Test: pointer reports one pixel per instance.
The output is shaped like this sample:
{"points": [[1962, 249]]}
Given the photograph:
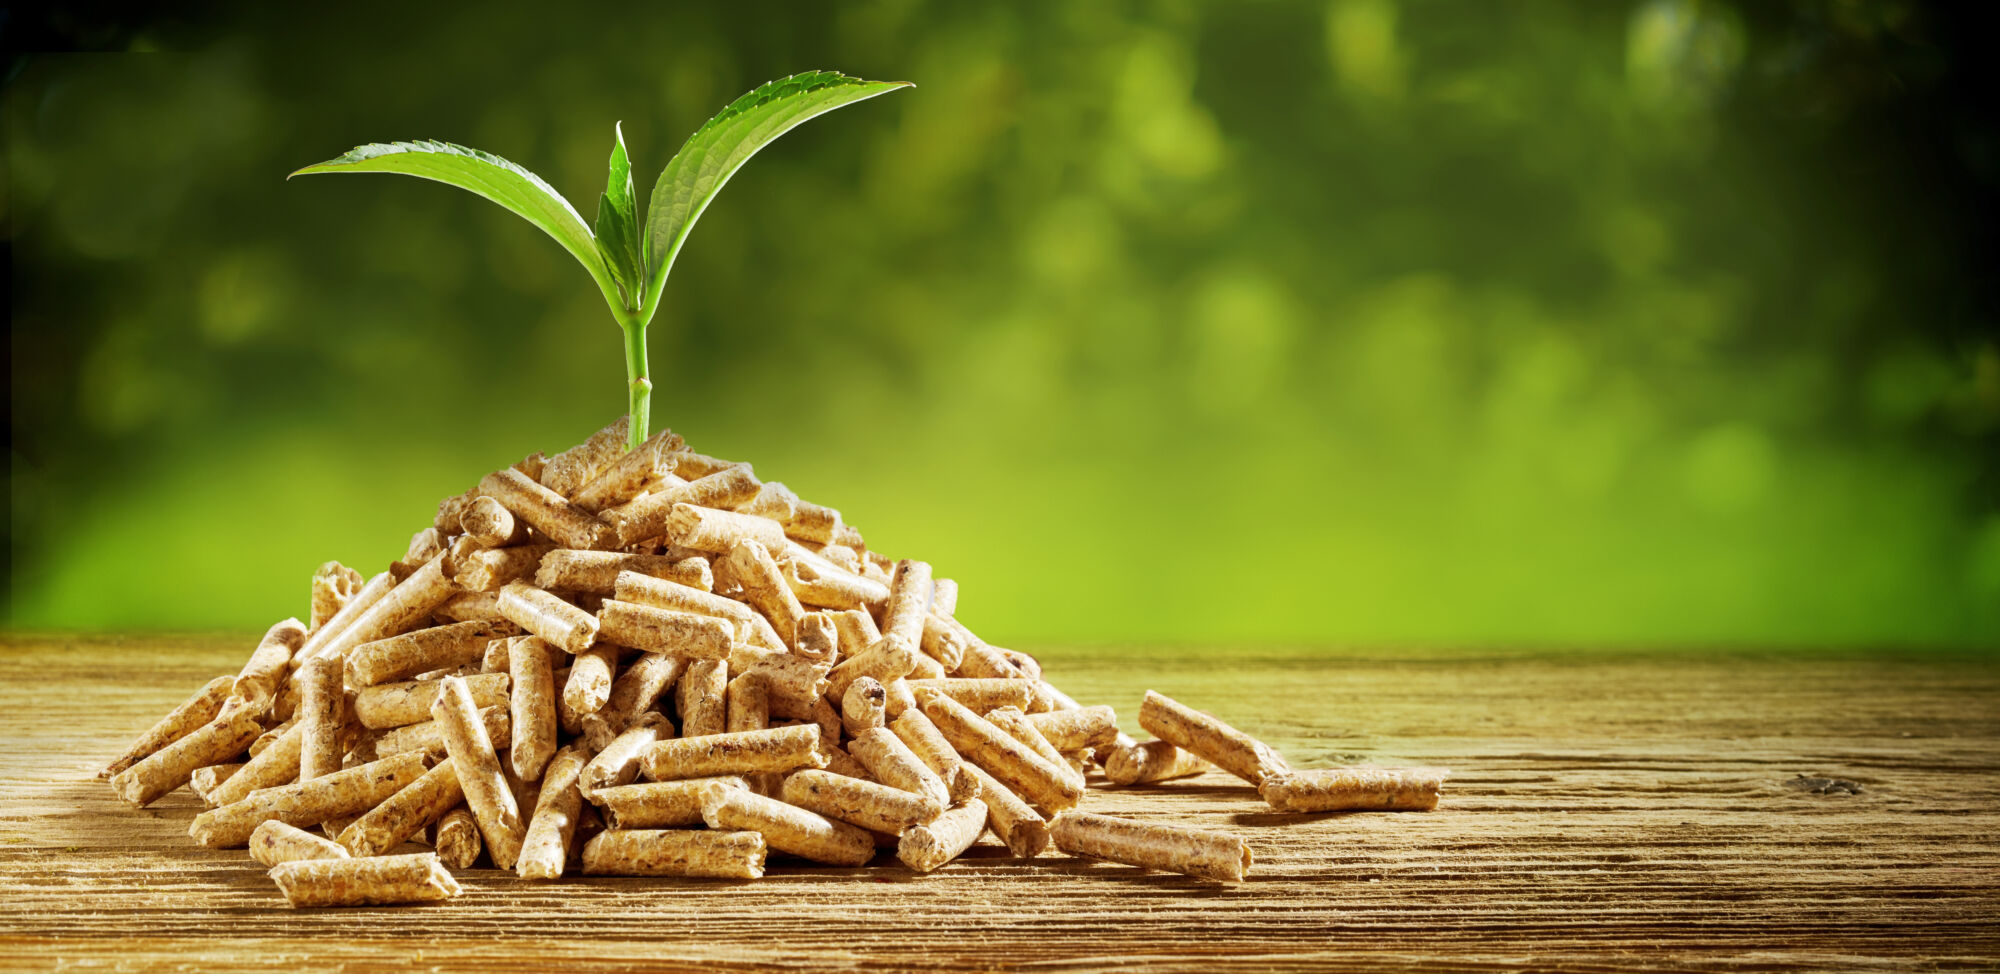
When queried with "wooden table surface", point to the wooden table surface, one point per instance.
{"points": [[1606, 812]]}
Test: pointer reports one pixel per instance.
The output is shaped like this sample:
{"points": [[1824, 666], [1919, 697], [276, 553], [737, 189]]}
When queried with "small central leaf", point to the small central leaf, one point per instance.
{"points": [[618, 223]]}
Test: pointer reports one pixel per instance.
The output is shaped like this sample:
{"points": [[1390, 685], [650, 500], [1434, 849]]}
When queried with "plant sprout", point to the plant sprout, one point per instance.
{"points": [[628, 259]]}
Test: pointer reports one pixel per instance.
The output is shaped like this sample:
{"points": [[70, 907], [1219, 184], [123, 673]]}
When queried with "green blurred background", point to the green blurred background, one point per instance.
{"points": [[1353, 322]]}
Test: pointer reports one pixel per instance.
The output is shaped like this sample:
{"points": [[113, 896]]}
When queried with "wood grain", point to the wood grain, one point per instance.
{"points": [[1607, 813]]}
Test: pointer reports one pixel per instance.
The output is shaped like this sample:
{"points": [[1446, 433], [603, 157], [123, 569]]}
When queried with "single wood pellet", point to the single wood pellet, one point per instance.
{"points": [[677, 852], [415, 878], [274, 842], [1196, 852], [1344, 789]]}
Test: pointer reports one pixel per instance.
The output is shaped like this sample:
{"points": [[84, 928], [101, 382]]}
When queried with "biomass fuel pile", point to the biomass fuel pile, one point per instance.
{"points": [[648, 662]]}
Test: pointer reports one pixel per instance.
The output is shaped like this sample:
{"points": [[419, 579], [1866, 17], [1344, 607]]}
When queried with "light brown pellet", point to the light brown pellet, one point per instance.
{"points": [[1196, 852], [889, 659], [398, 704], [588, 686], [204, 781], [183, 720], [796, 684], [946, 641], [618, 762], [676, 852], [923, 667], [438, 647], [659, 804], [713, 531], [268, 666], [567, 472], [490, 569], [274, 842], [666, 631], [321, 714], [863, 803], [651, 516], [347, 792], [764, 587], [909, 602], [857, 631], [332, 585], [984, 661], [546, 511], [471, 607], [944, 596], [486, 789], [1026, 773], [382, 880], [787, 828], [1023, 829], [980, 694], [170, 767], [490, 524], [428, 736], [532, 705], [923, 740], [545, 848], [863, 705], [456, 838], [1147, 761], [1015, 723], [816, 581], [356, 606], [1071, 730], [744, 752], [398, 611], [597, 572], [817, 639], [662, 593], [626, 476], [899, 697], [702, 698], [565, 626], [1224, 746], [932, 844], [814, 522], [635, 690], [405, 813], [276, 765], [1343, 789]]}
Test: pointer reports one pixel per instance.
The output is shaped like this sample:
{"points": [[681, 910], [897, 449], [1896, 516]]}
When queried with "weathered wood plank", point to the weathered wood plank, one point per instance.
{"points": [[1606, 813]]}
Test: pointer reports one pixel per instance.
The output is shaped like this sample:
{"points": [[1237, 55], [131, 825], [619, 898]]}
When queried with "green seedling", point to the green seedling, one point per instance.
{"points": [[628, 259]]}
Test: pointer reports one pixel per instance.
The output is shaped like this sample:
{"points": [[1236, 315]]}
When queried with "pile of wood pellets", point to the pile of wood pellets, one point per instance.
{"points": [[648, 662]]}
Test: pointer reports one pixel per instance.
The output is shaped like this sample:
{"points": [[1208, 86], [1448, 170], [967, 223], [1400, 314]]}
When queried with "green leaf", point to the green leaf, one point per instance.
{"points": [[714, 152], [618, 222], [487, 175]]}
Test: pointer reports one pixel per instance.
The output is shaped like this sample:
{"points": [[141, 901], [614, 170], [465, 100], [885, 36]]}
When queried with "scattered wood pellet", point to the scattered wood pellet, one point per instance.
{"points": [[570, 625], [1343, 789], [379, 880]]}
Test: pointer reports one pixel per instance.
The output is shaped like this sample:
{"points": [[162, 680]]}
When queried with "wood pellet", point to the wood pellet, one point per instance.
{"points": [[652, 663]]}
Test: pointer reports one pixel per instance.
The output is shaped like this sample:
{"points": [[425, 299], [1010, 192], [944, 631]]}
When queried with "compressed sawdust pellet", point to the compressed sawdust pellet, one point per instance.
{"points": [[787, 828], [404, 814], [567, 472], [399, 704], [660, 593], [486, 788], [587, 688], [546, 511], [428, 736], [649, 516], [491, 569], [622, 479], [1023, 829], [398, 611], [857, 631], [889, 659], [618, 763], [1077, 728], [675, 852], [1195, 852], [764, 587], [1224, 746], [1148, 761], [659, 804], [666, 631], [532, 705], [909, 603], [489, 523], [1025, 773], [1345, 789], [923, 740], [380, 880], [864, 803], [322, 703], [269, 665], [350, 791], [545, 847], [715, 532], [597, 572], [1015, 723], [981, 695], [702, 698], [356, 606], [183, 720], [743, 752], [932, 844], [635, 691], [274, 842], [893, 763], [565, 626], [172, 766], [205, 780], [333, 584], [818, 582], [437, 647], [863, 705], [275, 765], [456, 838]]}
